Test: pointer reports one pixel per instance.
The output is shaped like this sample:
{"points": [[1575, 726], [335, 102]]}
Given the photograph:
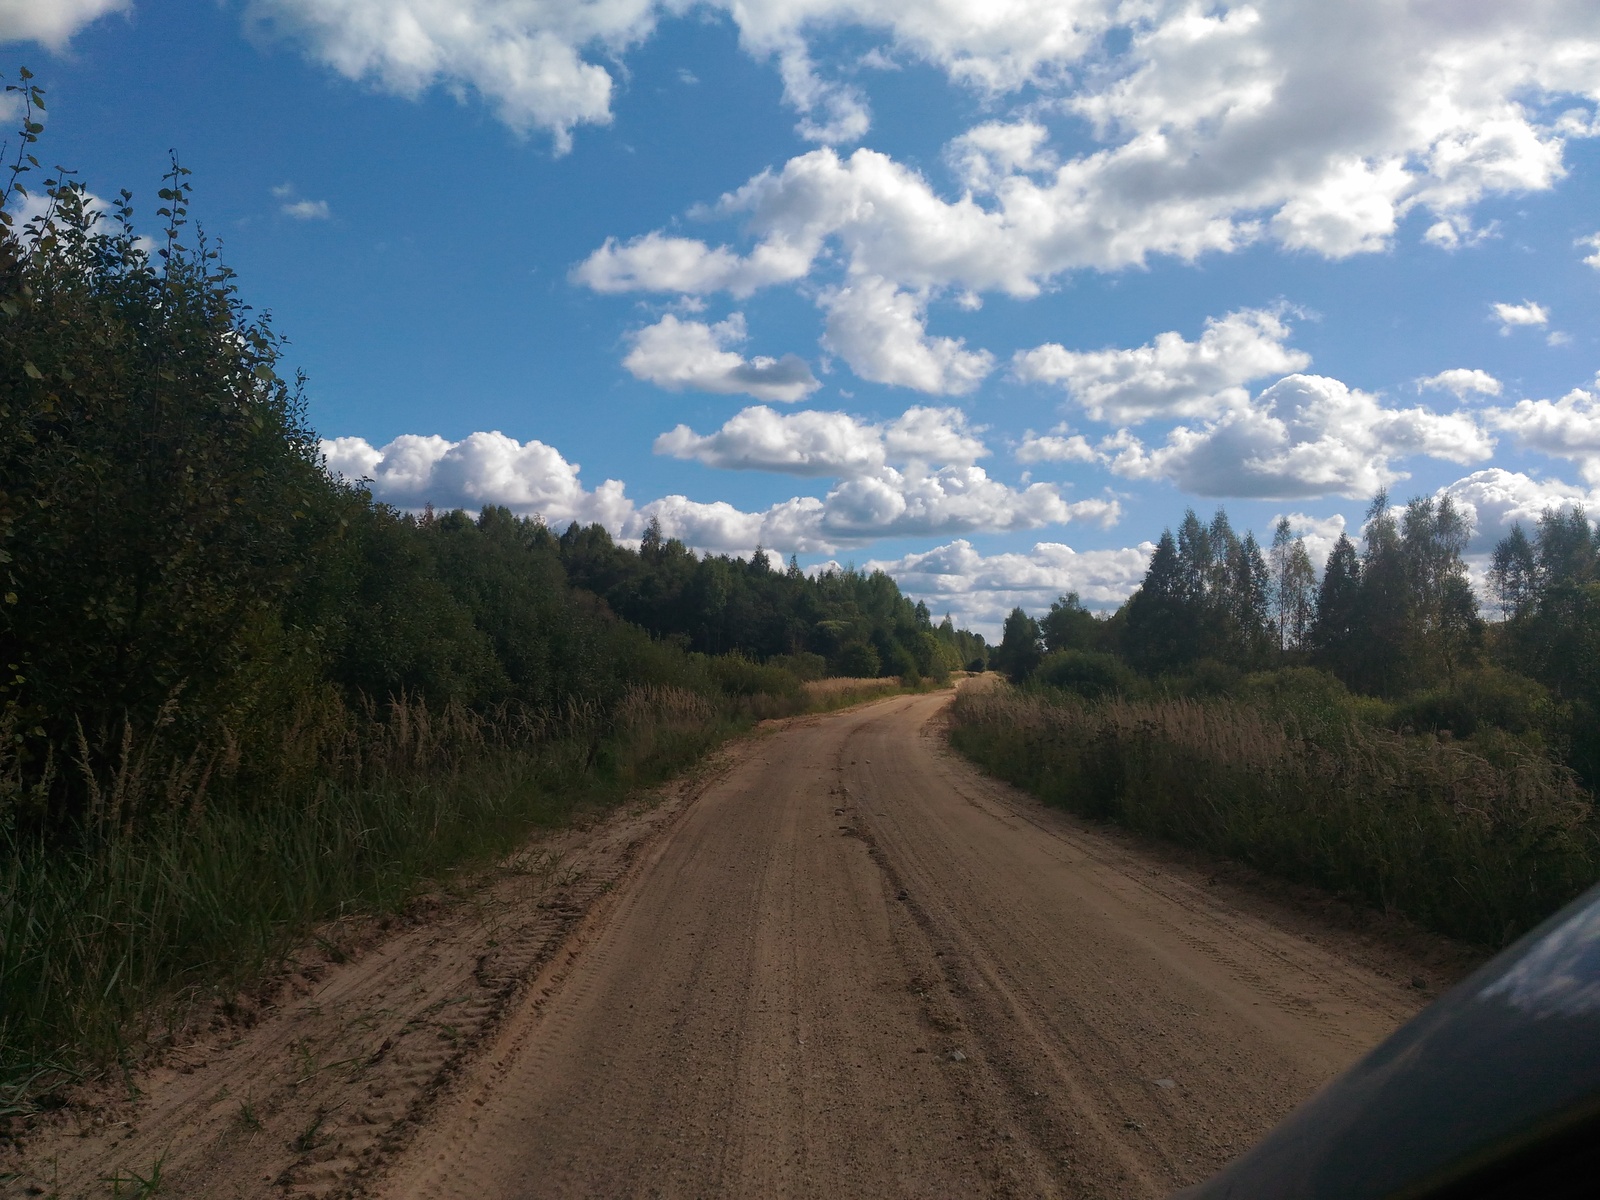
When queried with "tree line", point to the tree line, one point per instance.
{"points": [[177, 565], [1396, 619]]}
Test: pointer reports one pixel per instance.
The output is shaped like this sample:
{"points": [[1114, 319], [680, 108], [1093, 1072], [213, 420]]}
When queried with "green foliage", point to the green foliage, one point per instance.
{"points": [[239, 696], [1069, 626], [720, 604], [1477, 847], [1091, 674], [1549, 588], [1021, 647], [1206, 595]]}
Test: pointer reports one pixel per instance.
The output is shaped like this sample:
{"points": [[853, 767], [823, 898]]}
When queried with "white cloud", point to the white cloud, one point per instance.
{"points": [[1512, 316], [911, 476], [828, 444], [531, 59], [1565, 428], [1495, 499], [1170, 377], [677, 354], [882, 333], [307, 210], [1059, 445], [873, 498], [1319, 127], [1460, 381], [914, 502], [482, 469], [657, 263], [1593, 242], [1306, 435], [832, 444], [299, 209], [1318, 533], [522, 56], [979, 590], [988, 154], [52, 23]]}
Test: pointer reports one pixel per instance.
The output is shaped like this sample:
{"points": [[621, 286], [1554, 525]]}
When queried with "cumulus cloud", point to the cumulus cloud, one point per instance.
{"points": [[1494, 499], [1306, 435], [1318, 533], [1169, 377], [535, 61], [54, 22], [677, 354], [657, 263], [1593, 242], [525, 58], [915, 501], [806, 443], [1565, 428], [1059, 445], [1512, 316], [832, 444], [882, 333], [979, 590], [988, 154], [482, 469], [913, 476], [1313, 126], [1460, 381]]}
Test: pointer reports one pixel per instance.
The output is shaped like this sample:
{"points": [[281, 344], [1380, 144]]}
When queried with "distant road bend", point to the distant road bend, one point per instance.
{"points": [[853, 966]]}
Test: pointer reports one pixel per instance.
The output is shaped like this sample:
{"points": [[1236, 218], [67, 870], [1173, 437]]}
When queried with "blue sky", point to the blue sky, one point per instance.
{"points": [[985, 292]]}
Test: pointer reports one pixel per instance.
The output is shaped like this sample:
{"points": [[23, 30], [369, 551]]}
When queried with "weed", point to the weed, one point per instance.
{"points": [[138, 1186], [306, 1140]]}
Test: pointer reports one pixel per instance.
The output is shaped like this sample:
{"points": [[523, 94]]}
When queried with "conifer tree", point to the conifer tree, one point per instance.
{"points": [[1334, 628]]}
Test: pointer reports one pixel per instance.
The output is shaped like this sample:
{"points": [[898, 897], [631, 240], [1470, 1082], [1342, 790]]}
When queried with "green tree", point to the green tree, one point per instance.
{"points": [[1293, 586], [1335, 629], [1069, 625], [1021, 647], [162, 491]]}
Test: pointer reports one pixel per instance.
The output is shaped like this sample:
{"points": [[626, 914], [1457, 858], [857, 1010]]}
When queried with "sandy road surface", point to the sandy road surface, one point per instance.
{"points": [[837, 962], [855, 967]]}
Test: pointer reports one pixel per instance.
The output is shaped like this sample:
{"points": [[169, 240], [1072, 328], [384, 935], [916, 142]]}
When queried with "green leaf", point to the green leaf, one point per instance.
{"points": [[32, 371]]}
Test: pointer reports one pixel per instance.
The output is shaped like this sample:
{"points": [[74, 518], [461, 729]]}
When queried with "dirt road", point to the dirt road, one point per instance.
{"points": [[843, 963], [855, 967]]}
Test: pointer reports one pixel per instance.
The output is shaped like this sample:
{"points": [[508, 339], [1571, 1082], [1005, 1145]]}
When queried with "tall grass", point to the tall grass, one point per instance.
{"points": [[1474, 845], [109, 937]]}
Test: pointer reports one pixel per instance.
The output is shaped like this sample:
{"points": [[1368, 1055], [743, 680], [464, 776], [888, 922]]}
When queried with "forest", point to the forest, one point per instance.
{"points": [[239, 695], [1371, 731]]}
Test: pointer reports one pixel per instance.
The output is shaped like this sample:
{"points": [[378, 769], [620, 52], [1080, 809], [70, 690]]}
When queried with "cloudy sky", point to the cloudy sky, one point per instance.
{"points": [[982, 291]]}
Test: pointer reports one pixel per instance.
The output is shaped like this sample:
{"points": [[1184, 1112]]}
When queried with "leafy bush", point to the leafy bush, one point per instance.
{"points": [[1087, 673], [1485, 697]]}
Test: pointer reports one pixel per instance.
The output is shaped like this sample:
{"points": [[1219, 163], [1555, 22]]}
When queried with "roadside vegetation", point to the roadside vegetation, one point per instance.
{"points": [[1369, 732], [240, 697]]}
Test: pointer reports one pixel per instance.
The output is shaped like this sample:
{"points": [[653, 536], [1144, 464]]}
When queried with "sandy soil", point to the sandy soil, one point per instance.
{"points": [[841, 964]]}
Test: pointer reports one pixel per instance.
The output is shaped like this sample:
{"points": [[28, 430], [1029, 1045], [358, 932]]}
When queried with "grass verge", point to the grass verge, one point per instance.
{"points": [[108, 944], [1475, 846]]}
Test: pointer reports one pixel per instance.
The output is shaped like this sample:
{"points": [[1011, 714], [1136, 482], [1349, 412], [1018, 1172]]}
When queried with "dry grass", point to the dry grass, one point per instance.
{"points": [[829, 695], [1474, 848]]}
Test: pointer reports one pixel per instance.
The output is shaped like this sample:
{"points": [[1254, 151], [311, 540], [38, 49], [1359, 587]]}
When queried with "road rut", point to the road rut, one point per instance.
{"points": [[855, 966]]}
